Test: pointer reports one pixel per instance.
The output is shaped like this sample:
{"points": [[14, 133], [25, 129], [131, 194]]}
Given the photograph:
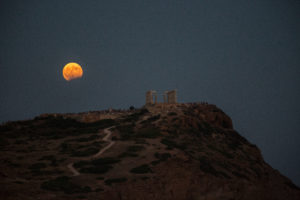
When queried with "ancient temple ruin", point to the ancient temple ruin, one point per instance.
{"points": [[170, 97], [151, 97]]}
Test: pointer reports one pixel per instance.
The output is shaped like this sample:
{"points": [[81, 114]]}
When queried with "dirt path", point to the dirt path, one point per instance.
{"points": [[107, 138]]}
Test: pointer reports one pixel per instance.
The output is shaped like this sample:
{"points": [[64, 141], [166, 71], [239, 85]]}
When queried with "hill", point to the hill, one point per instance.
{"points": [[174, 151]]}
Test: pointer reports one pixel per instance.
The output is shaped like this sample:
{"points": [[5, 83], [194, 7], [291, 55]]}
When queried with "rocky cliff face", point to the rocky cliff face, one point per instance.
{"points": [[179, 151]]}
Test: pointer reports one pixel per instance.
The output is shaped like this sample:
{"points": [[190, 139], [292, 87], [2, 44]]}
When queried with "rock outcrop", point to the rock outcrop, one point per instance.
{"points": [[161, 152]]}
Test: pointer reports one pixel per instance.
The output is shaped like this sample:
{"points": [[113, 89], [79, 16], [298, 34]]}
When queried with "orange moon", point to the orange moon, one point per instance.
{"points": [[72, 71]]}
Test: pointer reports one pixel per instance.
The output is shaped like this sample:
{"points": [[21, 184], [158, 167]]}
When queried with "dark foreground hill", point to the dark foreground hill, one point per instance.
{"points": [[181, 151]]}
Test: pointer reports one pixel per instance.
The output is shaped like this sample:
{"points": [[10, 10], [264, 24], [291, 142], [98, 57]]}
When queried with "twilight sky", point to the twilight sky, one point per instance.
{"points": [[243, 56]]}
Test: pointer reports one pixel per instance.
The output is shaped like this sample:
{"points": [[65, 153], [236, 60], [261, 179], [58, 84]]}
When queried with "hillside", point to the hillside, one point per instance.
{"points": [[176, 151]]}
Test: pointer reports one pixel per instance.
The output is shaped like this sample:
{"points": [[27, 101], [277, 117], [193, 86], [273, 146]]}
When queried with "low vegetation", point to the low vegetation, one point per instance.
{"points": [[86, 139], [205, 166], [141, 169], [135, 116], [115, 180], [97, 166], [135, 148], [217, 152], [132, 151], [96, 169], [171, 144], [39, 169], [51, 159], [151, 119], [57, 127], [127, 132], [205, 128], [37, 166], [85, 152], [64, 184], [128, 154], [172, 113], [80, 150], [221, 151], [160, 158], [148, 132]]}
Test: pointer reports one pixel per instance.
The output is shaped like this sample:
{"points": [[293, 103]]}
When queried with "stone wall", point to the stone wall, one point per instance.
{"points": [[169, 97]]}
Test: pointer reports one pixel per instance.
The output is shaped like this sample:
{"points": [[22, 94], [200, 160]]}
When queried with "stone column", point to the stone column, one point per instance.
{"points": [[172, 96], [165, 97], [149, 99]]}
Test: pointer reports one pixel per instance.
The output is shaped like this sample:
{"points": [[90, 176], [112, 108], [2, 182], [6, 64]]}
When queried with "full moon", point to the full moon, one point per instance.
{"points": [[72, 71]]}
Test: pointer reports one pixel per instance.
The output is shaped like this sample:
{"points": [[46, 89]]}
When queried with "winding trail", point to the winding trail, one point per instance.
{"points": [[107, 138]]}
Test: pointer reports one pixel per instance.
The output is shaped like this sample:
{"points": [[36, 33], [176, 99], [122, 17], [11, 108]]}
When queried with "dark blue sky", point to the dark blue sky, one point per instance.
{"points": [[243, 56]]}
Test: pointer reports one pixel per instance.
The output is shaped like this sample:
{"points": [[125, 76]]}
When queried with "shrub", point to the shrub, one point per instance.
{"points": [[141, 169], [140, 141], [46, 172], [128, 154], [63, 184], [135, 116], [155, 162], [172, 113], [152, 119], [60, 127], [126, 131], [105, 161], [238, 174], [98, 166], [81, 164], [86, 152], [114, 138], [7, 127], [222, 151], [65, 147], [235, 140], [257, 171], [172, 144], [37, 166], [96, 170], [206, 167], [225, 175], [169, 143], [292, 185], [149, 132], [87, 139], [161, 157], [175, 119], [131, 151], [49, 157], [99, 190], [115, 180], [97, 144], [205, 128], [3, 142], [135, 148], [104, 123], [61, 122]]}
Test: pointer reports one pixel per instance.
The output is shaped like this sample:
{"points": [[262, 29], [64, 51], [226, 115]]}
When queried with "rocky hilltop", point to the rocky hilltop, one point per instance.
{"points": [[176, 152]]}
